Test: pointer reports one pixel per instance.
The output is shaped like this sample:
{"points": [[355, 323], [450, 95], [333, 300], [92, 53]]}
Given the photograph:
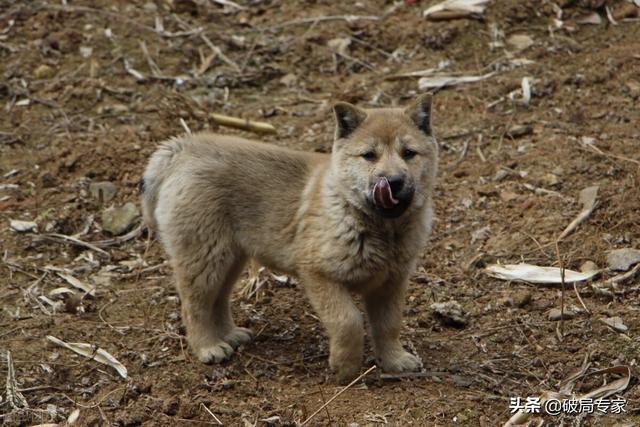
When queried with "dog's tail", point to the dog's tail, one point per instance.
{"points": [[158, 169]]}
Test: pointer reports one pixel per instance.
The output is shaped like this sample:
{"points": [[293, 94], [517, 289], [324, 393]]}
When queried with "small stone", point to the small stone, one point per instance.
{"points": [[555, 314], [104, 189], [552, 180], [589, 266], [339, 45], [633, 88], [461, 381], [23, 226], [615, 323], [450, 313], [520, 41], [518, 131], [118, 220], [622, 259], [289, 80], [44, 71]]}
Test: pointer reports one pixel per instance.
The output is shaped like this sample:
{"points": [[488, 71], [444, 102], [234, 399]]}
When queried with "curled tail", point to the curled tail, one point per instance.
{"points": [[157, 170]]}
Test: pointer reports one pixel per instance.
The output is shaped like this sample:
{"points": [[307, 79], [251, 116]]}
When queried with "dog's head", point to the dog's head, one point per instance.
{"points": [[385, 159]]}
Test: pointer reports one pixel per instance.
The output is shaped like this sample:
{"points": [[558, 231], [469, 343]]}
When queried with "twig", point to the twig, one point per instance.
{"points": [[348, 18], [216, 50], [15, 398], [135, 73], [61, 238], [211, 413], [120, 239], [152, 64], [244, 124], [335, 396], [561, 324], [185, 126], [229, 3]]}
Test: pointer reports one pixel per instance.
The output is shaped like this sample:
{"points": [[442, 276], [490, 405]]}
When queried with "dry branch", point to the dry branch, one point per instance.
{"points": [[244, 124]]}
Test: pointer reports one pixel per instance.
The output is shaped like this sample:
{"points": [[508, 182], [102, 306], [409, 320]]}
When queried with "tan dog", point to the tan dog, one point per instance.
{"points": [[352, 221]]}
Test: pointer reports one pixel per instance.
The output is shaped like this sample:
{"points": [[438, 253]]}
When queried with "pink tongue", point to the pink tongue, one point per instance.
{"points": [[382, 195]]}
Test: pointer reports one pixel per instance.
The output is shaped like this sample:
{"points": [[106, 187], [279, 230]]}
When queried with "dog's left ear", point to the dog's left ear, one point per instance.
{"points": [[348, 118], [420, 113]]}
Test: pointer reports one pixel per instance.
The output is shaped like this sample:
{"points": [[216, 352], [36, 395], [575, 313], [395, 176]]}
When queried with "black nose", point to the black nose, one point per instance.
{"points": [[396, 183]]}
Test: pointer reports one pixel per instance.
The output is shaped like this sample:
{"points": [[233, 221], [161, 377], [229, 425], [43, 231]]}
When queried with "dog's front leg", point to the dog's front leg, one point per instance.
{"points": [[384, 307], [342, 321]]}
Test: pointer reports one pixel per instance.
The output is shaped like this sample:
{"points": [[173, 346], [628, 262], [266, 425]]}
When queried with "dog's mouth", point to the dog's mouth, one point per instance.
{"points": [[385, 202], [382, 194]]}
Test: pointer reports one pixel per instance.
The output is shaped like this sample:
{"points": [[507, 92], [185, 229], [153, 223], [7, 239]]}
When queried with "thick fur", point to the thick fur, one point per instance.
{"points": [[217, 201]]}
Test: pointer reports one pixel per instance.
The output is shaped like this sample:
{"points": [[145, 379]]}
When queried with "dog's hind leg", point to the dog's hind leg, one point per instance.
{"points": [[204, 284]]}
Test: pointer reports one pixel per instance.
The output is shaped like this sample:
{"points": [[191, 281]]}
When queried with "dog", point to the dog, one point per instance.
{"points": [[353, 221]]}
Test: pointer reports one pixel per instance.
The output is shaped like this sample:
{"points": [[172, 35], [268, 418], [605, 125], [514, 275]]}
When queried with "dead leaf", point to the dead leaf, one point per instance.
{"points": [[463, 8], [535, 274], [92, 352], [76, 283], [615, 323], [439, 81], [588, 199]]}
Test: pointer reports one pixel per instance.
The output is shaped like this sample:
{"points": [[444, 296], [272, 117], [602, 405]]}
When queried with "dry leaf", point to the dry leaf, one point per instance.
{"points": [[439, 81], [78, 284], [468, 6], [588, 199], [92, 352], [535, 274]]}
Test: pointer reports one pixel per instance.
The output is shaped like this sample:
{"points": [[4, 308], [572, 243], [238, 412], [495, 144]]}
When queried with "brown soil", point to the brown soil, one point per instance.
{"points": [[71, 117]]}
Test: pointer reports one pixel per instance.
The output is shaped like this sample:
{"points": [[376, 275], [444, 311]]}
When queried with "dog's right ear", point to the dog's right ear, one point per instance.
{"points": [[348, 118]]}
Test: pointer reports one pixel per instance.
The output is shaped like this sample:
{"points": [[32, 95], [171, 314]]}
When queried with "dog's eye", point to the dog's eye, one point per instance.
{"points": [[408, 153], [369, 156]]}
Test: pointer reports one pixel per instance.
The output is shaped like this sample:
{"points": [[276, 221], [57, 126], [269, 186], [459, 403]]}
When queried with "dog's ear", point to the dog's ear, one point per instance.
{"points": [[348, 118], [420, 113]]}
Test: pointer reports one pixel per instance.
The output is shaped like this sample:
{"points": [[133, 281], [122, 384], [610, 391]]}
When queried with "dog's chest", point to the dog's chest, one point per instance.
{"points": [[360, 256]]}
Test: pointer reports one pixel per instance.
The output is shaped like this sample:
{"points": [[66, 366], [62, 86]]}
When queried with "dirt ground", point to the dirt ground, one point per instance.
{"points": [[83, 103]]}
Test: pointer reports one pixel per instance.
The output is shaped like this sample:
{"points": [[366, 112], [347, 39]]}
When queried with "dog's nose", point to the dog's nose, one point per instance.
{"points": [[396, 183]]}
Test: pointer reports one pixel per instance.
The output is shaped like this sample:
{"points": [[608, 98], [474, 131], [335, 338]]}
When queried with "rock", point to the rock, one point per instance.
{"points": [[339, 45], [23, 226], [518, 131], [520, 41], [450, 313], [117, 220], [552, 180], [622, 259], [555, 314], [289, 80], [615, 323], [44, 71], [104, 189], [461, 381], [589, 266]]}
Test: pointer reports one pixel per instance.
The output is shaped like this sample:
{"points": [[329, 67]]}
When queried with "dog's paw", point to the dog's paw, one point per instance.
{"points": [[400, 361], [239, 336], [345, 374], [214, 353]]}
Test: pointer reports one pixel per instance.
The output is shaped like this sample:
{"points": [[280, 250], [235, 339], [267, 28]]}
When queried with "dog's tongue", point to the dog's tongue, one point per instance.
{"points": [[382, 196]]}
